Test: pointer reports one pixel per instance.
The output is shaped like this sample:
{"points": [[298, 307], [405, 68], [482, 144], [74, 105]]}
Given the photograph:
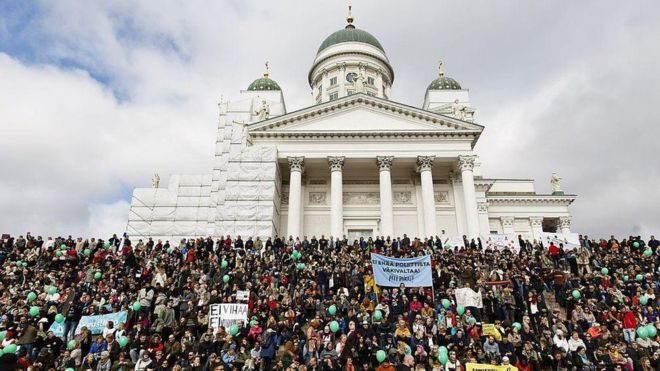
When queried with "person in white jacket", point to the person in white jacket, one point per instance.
{"points": [[560, 341]]}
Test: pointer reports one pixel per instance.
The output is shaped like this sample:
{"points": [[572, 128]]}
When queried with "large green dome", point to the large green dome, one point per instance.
{"points": [[444, 83], [264, 83], [350, 34]]}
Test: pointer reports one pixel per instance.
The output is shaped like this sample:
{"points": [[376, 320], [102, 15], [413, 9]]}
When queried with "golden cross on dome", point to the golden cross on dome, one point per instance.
{"points": [[441, 68], [349, 17], [266, 74]]}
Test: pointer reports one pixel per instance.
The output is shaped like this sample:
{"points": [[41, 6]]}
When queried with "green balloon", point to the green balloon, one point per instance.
{"points": [[64, 247], [446, 303], [10, 349], [87, 252], [170, 250], [472, 320], [224, 264], [604, 271], [137, 306], [2, 335], [107, 245], [635, 244], [253, 323], [576, 294], [380, 356], [31, 296], [443, 349], [378, 315], [648, 252], [97, 276], [639, 277], [516, 325], [644, 299], [71, 344], [19, 263], [59, 253], [225, 278], [460, 310], [641, 332], [334, 326], [298, 254], [233, 330], [123, 341], [52, 290], [59, 318], [332, 310], [34, 311], [69, 369], [651, 331], [300, 266], [443, 358], [625, 278]]}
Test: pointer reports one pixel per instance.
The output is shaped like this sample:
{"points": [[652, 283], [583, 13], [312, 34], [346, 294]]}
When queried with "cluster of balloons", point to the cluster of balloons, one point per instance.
{"points": [[300, 266], [21, 263], [648, 331], [296, 255]]}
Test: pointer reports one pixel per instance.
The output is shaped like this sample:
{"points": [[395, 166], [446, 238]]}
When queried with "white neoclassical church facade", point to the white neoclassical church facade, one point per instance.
{"points": [[354, 163]]}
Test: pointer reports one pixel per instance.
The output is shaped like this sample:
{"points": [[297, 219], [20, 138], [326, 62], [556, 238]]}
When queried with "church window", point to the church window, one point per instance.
{"points": [[370, 81], [334, 95], [333, 81]]}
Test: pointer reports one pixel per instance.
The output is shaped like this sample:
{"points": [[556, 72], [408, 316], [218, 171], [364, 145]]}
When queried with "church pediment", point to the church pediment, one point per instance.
{"points": [[363, 113]]}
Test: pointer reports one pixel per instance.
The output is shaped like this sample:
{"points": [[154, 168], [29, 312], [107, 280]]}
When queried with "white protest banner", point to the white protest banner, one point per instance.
{"points": [[225, 315], [450, 242], [243, 295], [392, 272], [569, 240], [508, 241], [466, 297]]}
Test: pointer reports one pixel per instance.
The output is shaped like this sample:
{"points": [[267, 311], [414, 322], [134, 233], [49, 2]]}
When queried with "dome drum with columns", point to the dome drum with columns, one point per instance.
{"points": [[353, 163]]}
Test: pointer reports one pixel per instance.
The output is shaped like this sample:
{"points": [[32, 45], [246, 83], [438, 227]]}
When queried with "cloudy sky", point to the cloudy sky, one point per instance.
{"points": [[95, 96]]}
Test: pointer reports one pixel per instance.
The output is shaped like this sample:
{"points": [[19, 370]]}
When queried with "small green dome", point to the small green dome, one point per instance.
{"points": [[264, 83], [350, 34], [444, 83]]}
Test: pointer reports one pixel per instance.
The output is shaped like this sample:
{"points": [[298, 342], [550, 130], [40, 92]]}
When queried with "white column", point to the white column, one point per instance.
{"points": [[507, 224], [459, 204], [295, 195], [424, 166], [537, 226], [379, 83], [336, 196], [325, 84], [386, 213], [342, 83], [420, 207], [565, 224], [466, 164], [484, 226]]}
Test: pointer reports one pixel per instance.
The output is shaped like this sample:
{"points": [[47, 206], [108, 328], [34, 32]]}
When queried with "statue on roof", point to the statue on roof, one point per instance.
{"points": [[264, 112], [459, 110], [555, 183], [358, 82], [155, 181]]}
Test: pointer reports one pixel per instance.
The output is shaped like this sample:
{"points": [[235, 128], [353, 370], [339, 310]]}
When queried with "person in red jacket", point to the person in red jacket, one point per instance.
{"points": [[554, 253], [629, 324]]}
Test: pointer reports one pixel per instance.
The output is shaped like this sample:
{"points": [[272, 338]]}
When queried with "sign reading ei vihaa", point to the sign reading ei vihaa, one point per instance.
{"points": [[226, 315], [487, 367], [412, 272]]}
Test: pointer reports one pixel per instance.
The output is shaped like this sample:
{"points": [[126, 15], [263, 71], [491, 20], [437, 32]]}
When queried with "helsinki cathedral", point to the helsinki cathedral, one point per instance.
{"points": [[353, 163]]}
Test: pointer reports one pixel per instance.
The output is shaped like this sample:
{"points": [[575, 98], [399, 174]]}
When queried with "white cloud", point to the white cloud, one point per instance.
{"points": [[567, 87]]}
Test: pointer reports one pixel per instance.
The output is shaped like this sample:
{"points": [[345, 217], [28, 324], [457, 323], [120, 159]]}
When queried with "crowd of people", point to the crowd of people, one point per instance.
{"points": [[313, 305]]}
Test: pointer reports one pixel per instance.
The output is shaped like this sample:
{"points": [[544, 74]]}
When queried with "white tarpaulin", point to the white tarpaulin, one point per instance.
{"points": [[569, 240], [508, 241], [467, 297], [226, 315]]}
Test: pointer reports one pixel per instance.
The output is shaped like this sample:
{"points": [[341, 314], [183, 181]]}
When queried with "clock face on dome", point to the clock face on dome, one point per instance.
{"points": [[350, 77]]}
